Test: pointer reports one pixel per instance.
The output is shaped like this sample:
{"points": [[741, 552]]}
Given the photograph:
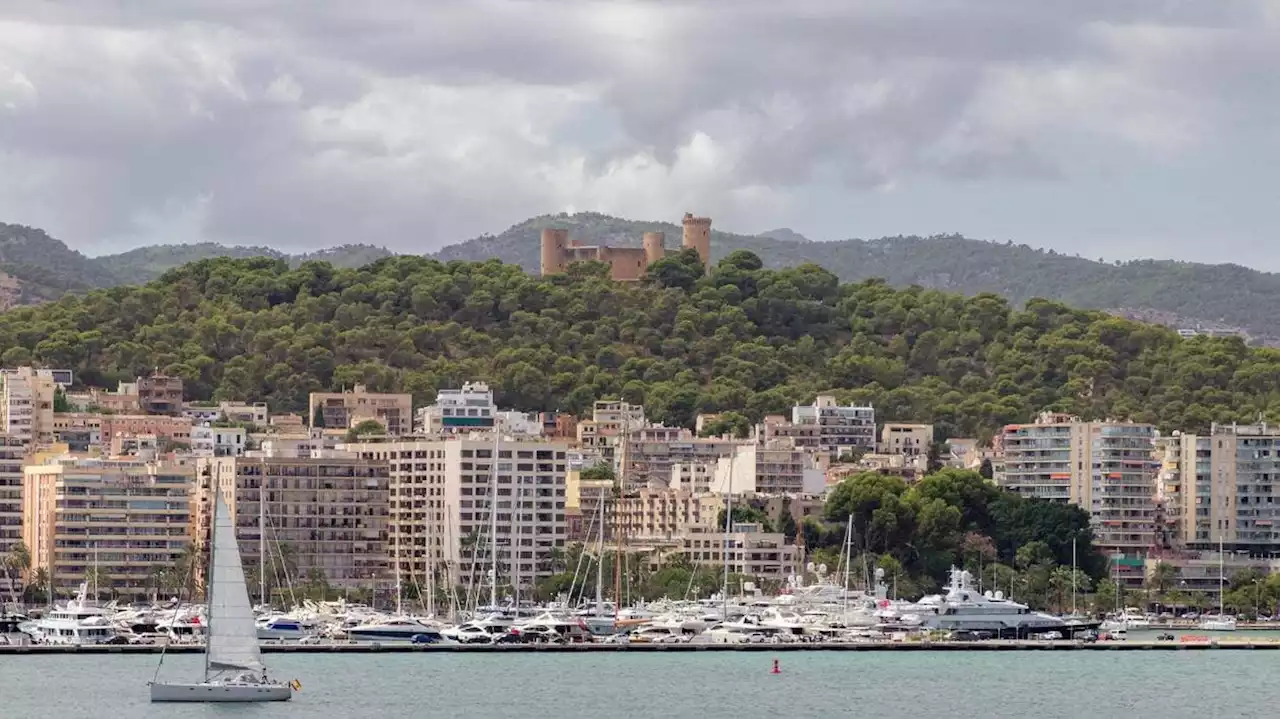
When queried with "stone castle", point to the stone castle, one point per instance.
{"points": [[626, 264]]}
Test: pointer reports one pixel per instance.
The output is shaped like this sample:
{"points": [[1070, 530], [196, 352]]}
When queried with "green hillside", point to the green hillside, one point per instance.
{"points": [[746, 339], [1223, 294]]}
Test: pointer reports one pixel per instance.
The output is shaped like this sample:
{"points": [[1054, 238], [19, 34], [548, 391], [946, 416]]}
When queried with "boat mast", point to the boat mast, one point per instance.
{"points": [[493, 524], [395, 550], [262, 533], [724, 548], [1221, 578], [431, 554], [600, 563], [512, 532], [1073, 576], [208, 591], [848, 539]]}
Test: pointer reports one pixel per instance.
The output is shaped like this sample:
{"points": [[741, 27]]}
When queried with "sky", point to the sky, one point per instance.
{"points": [[1107, 128]]}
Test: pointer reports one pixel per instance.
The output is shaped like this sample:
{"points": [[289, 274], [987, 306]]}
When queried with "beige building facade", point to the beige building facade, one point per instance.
{"points": [[344, 410], [120, 521], [328, 512]]}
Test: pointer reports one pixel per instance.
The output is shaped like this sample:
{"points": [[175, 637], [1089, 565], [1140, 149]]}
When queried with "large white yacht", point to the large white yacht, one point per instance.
{"points": [[395, 629], [77, 622], [965, 608]]}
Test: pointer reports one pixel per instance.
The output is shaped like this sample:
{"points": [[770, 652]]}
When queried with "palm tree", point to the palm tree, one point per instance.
{"points": [[42, 582], [1162, 578], [16, 562]]}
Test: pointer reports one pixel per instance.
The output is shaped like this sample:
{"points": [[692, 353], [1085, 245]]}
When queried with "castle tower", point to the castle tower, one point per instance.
{"points": [[654, 249], [554, 258], [697, 235]]}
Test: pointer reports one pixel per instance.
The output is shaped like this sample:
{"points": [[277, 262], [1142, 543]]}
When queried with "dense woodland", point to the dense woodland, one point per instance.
{"points": [[742, 338]]}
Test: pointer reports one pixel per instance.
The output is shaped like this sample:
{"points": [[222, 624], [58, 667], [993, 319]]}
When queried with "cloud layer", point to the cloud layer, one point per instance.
{"points": [[414, 124]]}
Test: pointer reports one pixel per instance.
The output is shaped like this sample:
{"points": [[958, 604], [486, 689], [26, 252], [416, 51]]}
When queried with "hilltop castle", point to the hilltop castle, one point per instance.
{"points": [[626, 264]]}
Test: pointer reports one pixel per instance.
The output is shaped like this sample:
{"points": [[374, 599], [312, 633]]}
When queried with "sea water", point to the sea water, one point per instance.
{"points": [[1093, 684]]}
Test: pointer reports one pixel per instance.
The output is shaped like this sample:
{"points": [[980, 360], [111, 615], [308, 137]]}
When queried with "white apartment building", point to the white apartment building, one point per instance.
{"points": [[775, 468], [209, 441], [441, 500], [26, 404], [840, 428]]}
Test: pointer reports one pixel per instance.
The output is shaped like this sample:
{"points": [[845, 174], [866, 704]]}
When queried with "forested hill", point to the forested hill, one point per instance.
{"points": [[35, 267], [1228, 295], [744, 338]]}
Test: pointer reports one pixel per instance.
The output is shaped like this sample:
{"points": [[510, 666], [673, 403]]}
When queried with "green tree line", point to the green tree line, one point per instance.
{"points": [[741, 339]]}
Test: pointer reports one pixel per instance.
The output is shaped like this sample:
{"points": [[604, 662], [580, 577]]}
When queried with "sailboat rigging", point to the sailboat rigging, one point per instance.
{"points": [[233, 668]]}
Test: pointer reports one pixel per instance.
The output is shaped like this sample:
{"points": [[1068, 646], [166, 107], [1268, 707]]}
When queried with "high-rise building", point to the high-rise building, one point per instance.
{"points": [[116, 523], [841, 429], [26, 404], [326, 513], [443, 489], [12, 454], [1106, 468], [752, 552], [1228, 489], [344, 410]]}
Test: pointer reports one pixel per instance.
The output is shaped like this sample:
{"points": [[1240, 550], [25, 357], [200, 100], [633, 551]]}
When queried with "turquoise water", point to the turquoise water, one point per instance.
{"points": [[1044, 684]]}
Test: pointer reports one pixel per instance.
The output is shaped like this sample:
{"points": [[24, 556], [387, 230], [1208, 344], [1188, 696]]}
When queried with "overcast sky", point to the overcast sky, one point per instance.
{"points": [[1114, 128]]}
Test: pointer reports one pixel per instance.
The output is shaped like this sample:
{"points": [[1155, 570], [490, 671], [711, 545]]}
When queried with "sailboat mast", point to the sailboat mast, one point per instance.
{"points": [[395, 550], [1073, 576], [512, 533], [208, 590], [848, 559], [493, 524], [262, 533], [1221, 578], [600, 563], [724, 548]]}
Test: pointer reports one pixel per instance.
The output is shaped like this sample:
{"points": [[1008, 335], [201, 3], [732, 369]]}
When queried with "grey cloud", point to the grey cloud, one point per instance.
{"points": [[414, 124]]}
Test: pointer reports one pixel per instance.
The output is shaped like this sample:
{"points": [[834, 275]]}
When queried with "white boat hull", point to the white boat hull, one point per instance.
{"points": [[221, 692]]}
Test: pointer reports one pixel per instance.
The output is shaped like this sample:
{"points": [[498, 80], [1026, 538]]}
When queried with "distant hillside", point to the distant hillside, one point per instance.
{"points": [[147, 263], [785, 234], [35, 267], [1228, 295]]}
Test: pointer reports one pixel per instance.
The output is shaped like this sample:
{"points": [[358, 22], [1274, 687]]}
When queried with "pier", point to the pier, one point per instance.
{"points": [[401, 648]]}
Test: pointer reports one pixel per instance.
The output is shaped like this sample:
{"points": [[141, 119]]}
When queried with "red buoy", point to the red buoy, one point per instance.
{"points": [[775, 670]]}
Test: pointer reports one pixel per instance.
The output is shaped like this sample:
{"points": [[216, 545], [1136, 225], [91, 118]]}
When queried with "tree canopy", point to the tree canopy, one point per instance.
{"points": [[742, 338]]}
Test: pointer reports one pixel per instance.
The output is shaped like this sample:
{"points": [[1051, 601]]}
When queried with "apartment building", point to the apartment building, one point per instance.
{"points": [[255, 413], [210, 441], [776, 467], [650, 453], [26, 404], [328, 512], [120, 521], [840, 429], [905, 438], [160, 394], [80, 431], [1107, 468], [752, 552], [173, 430], [444, 493], [1227, 488], [12, 454], [656, 513], [582, 500], [610, 421], [343, 410]]}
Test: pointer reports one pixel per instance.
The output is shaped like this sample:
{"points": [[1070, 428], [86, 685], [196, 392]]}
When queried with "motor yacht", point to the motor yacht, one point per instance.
{"points": [[402, 629], [78, 622], [965, 608]]}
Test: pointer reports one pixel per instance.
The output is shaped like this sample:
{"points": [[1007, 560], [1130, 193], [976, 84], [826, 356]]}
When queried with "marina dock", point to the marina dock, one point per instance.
{"points": [[400, 648]]}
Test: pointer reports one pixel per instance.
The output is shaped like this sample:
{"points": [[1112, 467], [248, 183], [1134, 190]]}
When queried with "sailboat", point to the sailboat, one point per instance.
{"points": [[233, 668], [1222, 622]]}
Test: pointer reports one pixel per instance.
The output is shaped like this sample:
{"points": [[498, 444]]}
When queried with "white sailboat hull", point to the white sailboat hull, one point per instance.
{"points": [[215, 692]]}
